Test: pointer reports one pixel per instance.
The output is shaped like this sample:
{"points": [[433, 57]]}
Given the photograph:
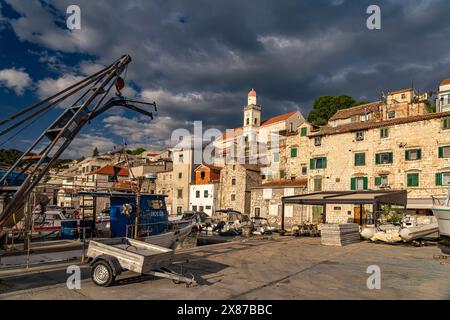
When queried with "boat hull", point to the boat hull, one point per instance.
{"points": [[170, 239], [442, 215]]}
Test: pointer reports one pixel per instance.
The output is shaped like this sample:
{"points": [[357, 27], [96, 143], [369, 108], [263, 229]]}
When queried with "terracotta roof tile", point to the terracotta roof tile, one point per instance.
{"points": [[364, 125], [109, 170], [355, 111], [285, 183], [209, 166], [238, 131], [401, 90], [445, 82], [279, 118]]}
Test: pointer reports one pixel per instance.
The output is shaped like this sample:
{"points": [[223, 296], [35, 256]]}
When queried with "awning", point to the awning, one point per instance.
{"points": [[422, 203], [393, 197]]}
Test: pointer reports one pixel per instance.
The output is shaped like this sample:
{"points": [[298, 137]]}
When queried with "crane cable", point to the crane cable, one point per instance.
{"points": [[20, 113]]}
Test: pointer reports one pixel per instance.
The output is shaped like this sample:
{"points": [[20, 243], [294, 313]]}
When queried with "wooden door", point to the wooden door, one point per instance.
{"points": [[357, 215]]}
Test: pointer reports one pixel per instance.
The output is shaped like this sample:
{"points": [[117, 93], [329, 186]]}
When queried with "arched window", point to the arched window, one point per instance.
{"points": [[248, 121], [256, 120]]}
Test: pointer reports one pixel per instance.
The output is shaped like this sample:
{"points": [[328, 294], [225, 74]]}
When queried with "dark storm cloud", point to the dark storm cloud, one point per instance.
{"points": [[199, 58]]}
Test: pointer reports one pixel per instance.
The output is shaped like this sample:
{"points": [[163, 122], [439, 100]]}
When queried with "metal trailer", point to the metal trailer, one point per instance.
{"points": [[109, 257]]}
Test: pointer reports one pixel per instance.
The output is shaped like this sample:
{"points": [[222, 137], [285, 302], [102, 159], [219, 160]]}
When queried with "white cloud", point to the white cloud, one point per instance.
{"points": [[50, 86], [142, 131], [84, 145], [15, 79]]}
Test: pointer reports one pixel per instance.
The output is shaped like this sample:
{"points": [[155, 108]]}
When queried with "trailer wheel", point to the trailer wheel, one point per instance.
{"points": [[102, 274]]}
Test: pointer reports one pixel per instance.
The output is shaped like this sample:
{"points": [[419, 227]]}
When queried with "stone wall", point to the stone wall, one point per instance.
{"points": [[270, 208]]}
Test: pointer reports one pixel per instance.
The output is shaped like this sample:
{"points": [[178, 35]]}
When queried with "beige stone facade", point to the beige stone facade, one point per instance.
{"points": [[236, 181], [266, 203], [164, 186]]}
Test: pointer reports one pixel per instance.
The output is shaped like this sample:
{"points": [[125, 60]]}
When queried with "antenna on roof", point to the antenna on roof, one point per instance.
{"points": [[383, 96]]}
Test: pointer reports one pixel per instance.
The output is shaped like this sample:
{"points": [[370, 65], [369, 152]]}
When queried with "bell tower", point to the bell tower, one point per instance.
{"points": [[252, 112]]}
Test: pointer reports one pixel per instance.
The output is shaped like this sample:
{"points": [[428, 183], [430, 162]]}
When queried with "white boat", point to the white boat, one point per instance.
{"points": [[441, 210], [171, 239]]}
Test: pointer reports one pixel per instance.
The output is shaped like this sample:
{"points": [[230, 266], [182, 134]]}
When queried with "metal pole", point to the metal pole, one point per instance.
{"points": [[138, 208], [282, 216], [84, 245]]}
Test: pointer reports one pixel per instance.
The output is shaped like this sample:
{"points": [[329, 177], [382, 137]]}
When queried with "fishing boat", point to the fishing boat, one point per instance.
{"points": [[154, 226]]}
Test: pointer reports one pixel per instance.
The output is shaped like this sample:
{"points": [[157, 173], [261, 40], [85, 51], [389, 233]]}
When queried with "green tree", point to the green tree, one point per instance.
{"points": [[325, 106], [137, 151], [95, 153], [9, 156]]}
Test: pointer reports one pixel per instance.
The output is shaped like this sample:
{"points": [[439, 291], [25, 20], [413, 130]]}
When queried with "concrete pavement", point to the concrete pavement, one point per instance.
{"points": [[279, 268]]}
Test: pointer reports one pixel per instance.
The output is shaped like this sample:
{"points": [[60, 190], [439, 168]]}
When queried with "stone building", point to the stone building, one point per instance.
{"points": [[164, 186], [266, 202], [236, 181]]}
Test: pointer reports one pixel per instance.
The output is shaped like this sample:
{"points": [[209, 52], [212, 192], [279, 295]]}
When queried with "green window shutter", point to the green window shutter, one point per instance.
{"points": [[441, 152], [365, 183], [360, 159], [413, 180], [439, 179], [419, 154], [446, 123], [293, 152], [378, 181], [353, 184], [407, 157], [324, 161], [311, 164], [377, 158], [391, 157], [303, 132]]}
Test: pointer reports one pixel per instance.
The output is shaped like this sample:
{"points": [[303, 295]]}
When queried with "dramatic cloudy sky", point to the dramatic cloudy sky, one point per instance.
{"points": [[199, 58]]}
